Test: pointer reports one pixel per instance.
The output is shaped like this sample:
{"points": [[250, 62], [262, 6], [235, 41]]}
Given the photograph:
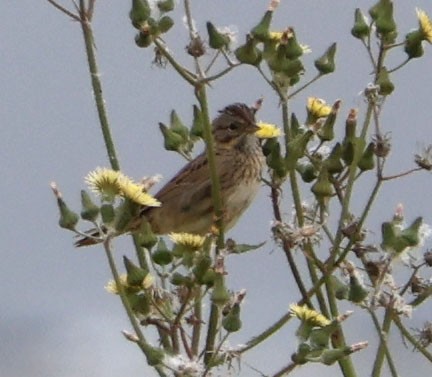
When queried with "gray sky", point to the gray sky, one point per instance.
{"points": [[55, 316]]}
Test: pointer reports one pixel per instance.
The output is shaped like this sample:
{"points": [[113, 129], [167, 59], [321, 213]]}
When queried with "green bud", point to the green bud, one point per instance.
{"points": [[360, 29], [296, 128], [146, 237], [350, 137], [89, 210], [162, 257], [154, 355], [135, 274], [139, 303], [203, 264], [367, 160], [326, 63], [296, 148], [340, 289], [217, 40], [383, 80], [303, 350], [164, 24], [293, 48], [292, 68], [307, 172], [326, 132], [197, 125], [172, 140], [143, 40], [177, 126], [248, 53], [322, 188], [107, 213], [385, 23], [220, 295], [276, 162], [375, 10], [139, 12], [232, 321], [333, 161], [165, 5], [357, 291], [68, 218], [413, 44], [209, 277], [261, 31], [269, 145], [411, 234], [178, 279], [389, 236]]}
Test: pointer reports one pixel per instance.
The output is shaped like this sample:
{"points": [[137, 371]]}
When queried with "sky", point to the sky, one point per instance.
{"points": [[55, 316]]}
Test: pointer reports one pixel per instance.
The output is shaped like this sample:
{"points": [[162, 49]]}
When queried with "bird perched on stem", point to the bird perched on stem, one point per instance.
{"points": [[186, 200]]}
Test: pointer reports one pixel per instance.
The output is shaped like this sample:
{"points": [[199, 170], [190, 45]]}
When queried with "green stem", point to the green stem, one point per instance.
{"points": [[383, 341], [379, 359], [317, 77], [141, 341], [196, 327], [97, 86], [211, 334]]}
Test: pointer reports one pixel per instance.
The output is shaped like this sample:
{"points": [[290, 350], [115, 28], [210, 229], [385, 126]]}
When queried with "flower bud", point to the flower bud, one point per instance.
{"points": [[232, 321], [340, 289], [196, 130], [357, 291], [411, 234], [322, 188], [68, 218], [307, 172], [209, 277], [146, 238], [202, 265], [178, 279], [177, 126], [385, 23], [296, 129], [326, 132], [292, 68], [330, 356], [135, 274], [165, 5], [143, 40], [139, 12], [172, 140], [261, 31], [139, 303], [293, 48], [275, 160], [333, 161], [248, 53], [413, 44], [360, 29], [326, 63], [220, 295], [296, 148], [89, 210], [367, 160], [383, 80], [217, 40], [162, 256], [164, 24]]}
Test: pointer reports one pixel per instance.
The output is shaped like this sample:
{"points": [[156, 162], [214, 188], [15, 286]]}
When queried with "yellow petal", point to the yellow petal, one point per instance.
{"points": [[267, 131]]}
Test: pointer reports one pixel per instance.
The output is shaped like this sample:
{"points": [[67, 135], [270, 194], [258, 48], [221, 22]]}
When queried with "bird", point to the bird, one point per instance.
{"points": [[186, 200]]}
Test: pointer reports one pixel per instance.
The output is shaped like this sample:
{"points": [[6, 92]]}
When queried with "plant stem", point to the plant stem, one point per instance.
{"points": [[379, 359], [97, 87]]}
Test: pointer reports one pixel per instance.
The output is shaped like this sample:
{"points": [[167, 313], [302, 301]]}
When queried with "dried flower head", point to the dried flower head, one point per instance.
{"points": [[424, 160]]}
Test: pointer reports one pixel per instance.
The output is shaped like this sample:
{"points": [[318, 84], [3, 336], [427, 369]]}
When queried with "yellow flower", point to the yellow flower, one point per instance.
{"points": [[267, 131], [104, 181], [189, 240], [134, 192], [310, 316], [111, 183], [425, 25], [317, 107]]}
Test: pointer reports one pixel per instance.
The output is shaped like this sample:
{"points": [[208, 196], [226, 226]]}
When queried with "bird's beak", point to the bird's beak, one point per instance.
{"points": [[252, 128]]}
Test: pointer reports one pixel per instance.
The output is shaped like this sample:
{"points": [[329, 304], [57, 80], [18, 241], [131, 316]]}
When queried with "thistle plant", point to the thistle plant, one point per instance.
{"points": [[174, 288]]}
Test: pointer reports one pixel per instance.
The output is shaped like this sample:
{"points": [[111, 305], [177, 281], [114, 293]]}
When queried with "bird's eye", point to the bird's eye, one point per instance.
{"points": [[233, 126]]}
